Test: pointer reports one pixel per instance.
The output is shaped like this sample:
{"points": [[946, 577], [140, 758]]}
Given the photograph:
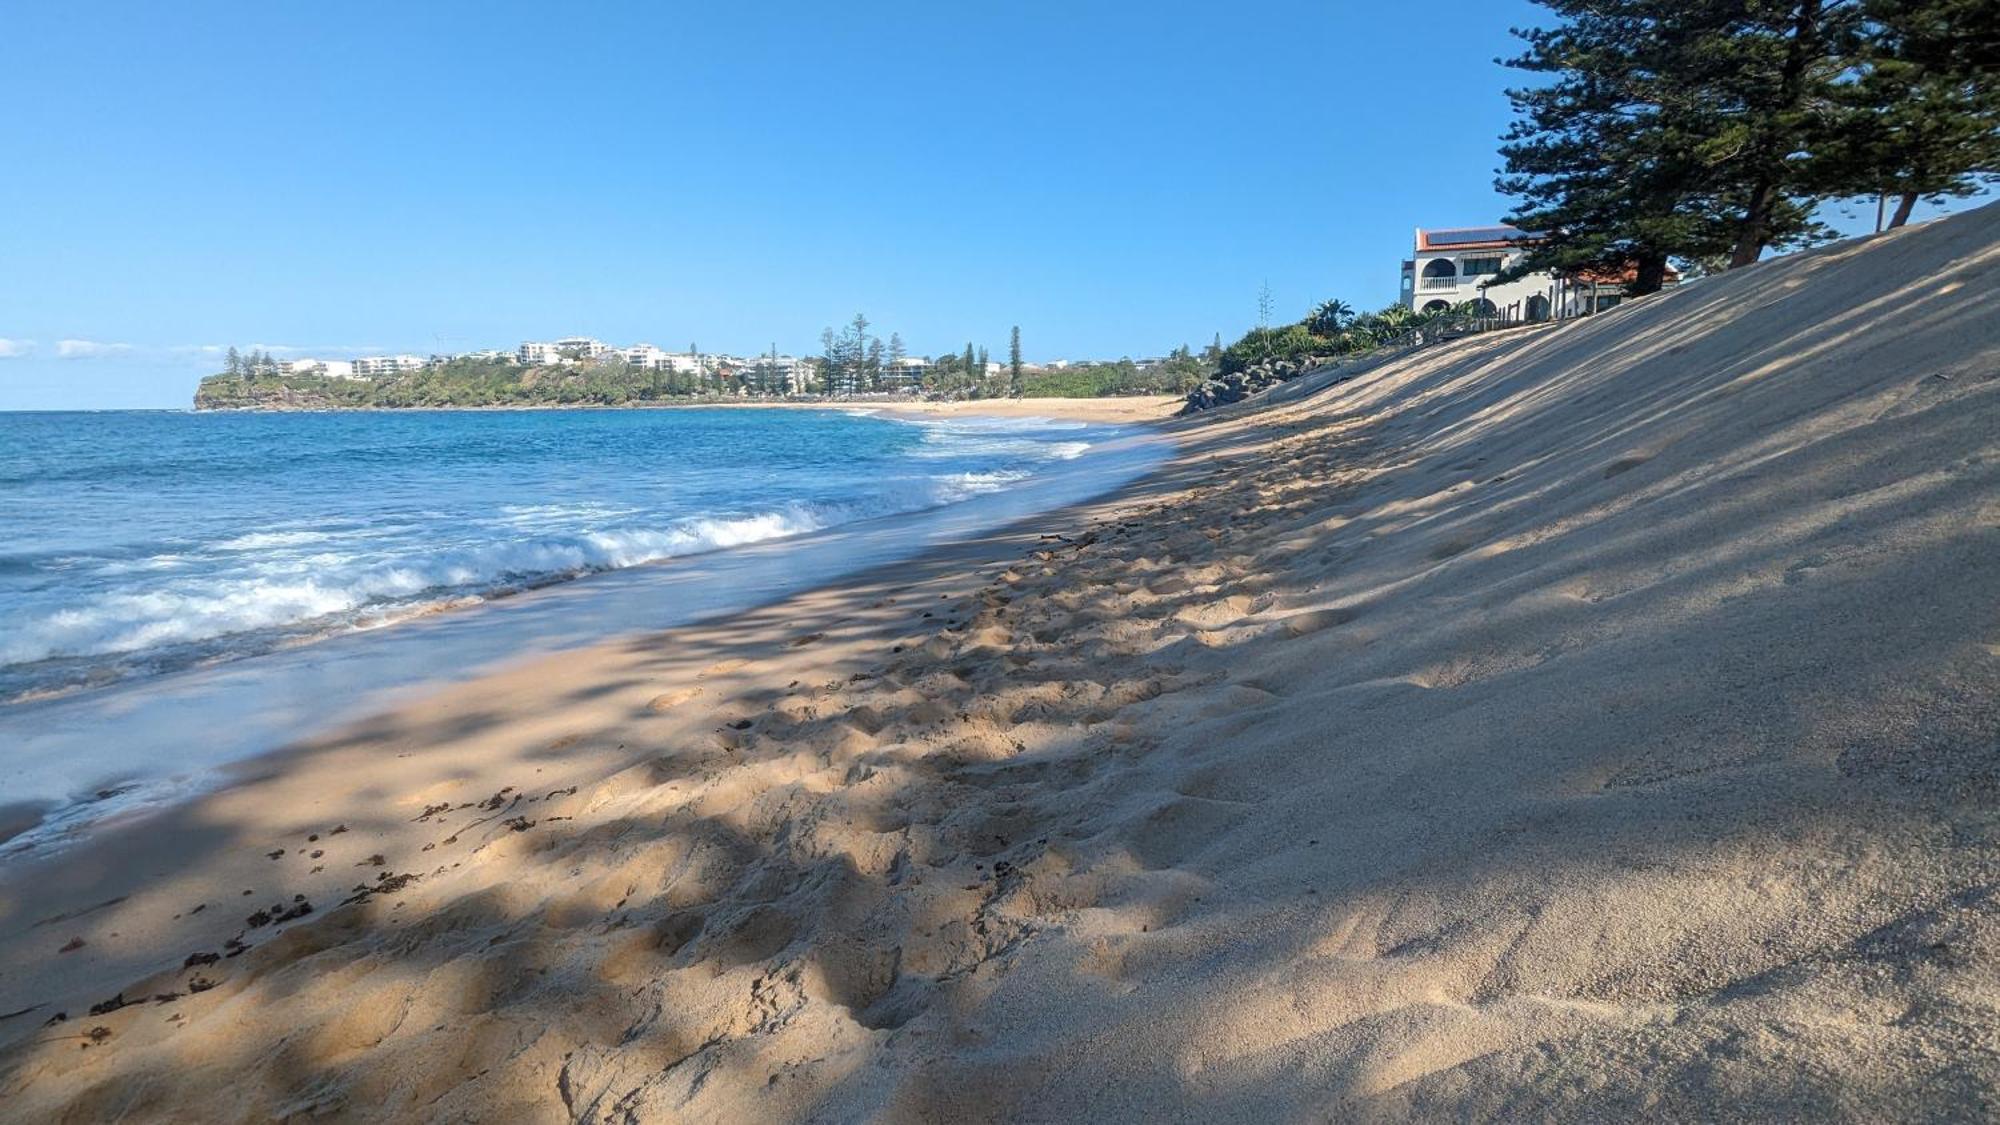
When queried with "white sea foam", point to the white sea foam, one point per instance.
{"points": [[954, 487], [169, 561], [289, 591], [293, 591], [538, 515], [265, 540], [1010, 438], [247, 591]]}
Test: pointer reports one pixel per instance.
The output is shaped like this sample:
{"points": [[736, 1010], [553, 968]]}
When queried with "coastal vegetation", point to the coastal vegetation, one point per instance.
{"points": [[856, 364], [458, 383], [1330, 330], [1179, 373]]}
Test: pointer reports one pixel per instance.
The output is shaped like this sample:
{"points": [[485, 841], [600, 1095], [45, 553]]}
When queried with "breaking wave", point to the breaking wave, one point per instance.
{"points": [[187, 559], [290, 593]]}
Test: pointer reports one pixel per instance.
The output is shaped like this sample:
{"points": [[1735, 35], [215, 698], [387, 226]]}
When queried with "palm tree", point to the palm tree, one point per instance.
{"points": [[1395, 316], [1329, 318]]}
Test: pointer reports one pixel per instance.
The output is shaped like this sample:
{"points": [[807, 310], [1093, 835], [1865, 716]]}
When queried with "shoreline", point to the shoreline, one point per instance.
{"points": [[555, 616], [1136, 409], [120, 895], [1135, 414]]}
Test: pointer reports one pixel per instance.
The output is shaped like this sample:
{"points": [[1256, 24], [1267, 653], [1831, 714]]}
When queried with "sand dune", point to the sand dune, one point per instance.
{"points": [[1581, 722]]}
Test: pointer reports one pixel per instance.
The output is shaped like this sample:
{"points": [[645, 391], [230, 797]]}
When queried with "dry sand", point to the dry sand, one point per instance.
{"points": [[1135, 408], [1584, 723], [1124, 408]]}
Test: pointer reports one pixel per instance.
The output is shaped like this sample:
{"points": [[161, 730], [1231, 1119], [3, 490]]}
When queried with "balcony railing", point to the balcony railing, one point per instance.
{"points": [[1438, 283]]}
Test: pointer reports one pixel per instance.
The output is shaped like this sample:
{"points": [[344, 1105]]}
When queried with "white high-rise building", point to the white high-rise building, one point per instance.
{"points": [[369, 367], [534, 353], [906, 374], [783, 374], [330, 368], [646, 356], [583, 347]]}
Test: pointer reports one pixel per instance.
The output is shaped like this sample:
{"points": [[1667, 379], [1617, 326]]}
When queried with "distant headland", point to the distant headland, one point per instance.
{"points": [[579, 371]]}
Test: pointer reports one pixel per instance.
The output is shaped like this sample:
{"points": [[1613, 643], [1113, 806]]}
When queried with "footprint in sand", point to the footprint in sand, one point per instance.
{"points": [[672, 699], [1313, 621]]}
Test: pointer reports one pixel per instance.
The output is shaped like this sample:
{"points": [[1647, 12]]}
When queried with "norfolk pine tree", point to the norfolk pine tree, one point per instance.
{"points": [[1014, 362]]}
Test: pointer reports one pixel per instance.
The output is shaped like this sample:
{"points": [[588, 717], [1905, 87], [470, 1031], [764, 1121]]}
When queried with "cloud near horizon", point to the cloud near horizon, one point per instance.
{"points": [[78, 349], [284, 351], [88, 349]]}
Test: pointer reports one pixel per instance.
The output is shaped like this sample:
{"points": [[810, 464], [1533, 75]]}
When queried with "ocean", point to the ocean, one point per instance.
{"points": [[133, 544], [182, 590]]}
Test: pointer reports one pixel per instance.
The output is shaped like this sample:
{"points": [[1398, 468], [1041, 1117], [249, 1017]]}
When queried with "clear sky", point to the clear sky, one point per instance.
{"points": [[341, 179]]}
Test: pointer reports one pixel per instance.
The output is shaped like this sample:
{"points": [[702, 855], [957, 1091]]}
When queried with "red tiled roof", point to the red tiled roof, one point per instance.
{"points": [[1622, 275]]}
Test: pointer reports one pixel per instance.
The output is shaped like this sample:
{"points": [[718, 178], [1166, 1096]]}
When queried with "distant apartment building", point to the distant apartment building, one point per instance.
{"points": [[688, 363], [906, 374], [783, 374], [796, 374], [330, 368], [650, 358], [843, 381], [535, 353], [644, 355], [369, 367], [583, 347]]}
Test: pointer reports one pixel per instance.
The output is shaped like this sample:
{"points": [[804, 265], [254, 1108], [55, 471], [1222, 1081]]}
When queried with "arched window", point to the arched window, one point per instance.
{"points": [[1435, 306], [1439, 273], [1538, 307], [1483, 307]]}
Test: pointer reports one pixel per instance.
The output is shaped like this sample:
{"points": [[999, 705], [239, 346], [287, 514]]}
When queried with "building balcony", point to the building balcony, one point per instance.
{"points": [[1438, 282]]}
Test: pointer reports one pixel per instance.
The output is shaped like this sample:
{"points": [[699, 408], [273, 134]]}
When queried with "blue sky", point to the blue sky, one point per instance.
{"points": [[328, 180]]}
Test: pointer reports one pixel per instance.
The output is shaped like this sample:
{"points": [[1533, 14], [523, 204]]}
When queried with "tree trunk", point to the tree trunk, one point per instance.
{"points": [[1652, 274], [1791, 89], [1750, 235], [1903, 208]]}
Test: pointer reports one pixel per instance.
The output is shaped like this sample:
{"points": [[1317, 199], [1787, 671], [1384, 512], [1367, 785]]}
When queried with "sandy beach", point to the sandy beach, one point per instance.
{"points": [[1583, 722], [1136, 408]]}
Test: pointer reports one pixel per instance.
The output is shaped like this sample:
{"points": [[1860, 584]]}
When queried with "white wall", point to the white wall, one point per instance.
{"points": [[1466, 288]]}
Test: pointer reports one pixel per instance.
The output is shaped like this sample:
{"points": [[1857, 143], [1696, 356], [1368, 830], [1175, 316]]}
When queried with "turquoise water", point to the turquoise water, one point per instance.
{"points": [[138, 544], [180, 592]]}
